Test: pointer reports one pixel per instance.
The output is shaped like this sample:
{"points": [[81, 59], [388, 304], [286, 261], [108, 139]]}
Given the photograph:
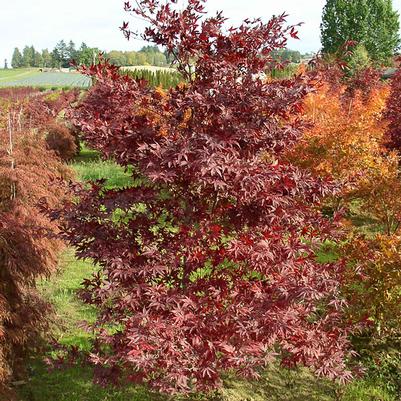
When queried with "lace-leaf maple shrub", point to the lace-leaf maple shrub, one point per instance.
{"points": [[29, 249], [209, 265]]}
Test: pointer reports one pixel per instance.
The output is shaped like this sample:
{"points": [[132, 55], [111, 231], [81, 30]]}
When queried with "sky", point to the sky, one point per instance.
{"points": [[42, 23]]}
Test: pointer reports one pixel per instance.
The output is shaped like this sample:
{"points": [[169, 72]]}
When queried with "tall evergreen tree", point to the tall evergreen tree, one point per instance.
{"points": [[33, 52], [37, 60], [27, 56], [372, 23], [84, 46], [150, 49], [87, 55], [60, 55], [56, 59], [16, 60], [72, 52], [46, 58]]}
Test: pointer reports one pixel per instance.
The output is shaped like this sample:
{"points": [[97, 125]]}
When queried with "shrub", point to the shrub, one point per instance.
{"points": [[60, 139], [210, 264], [374, 282], [364, 82], [380, 196], [41, 110], [76, 133], [27, 173], [359, 59], [17, 93], [383, 361]]}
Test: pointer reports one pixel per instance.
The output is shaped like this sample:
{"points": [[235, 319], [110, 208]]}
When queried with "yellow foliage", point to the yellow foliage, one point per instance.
{"points": [[381, 196], [160, 92], [186, 118], [374, 281]]}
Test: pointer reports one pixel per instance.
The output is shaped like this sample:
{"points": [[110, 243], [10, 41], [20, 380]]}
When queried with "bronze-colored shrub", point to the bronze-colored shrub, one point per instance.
{"points": [[28, 173], [60, 139], [75, 132]]}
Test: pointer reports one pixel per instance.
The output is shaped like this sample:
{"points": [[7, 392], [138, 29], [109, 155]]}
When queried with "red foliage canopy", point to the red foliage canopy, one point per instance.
{"points": [[393, 113], [209, 264]]}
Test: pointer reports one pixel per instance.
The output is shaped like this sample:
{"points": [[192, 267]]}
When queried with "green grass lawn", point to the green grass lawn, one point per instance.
{"points": [[89, 167], [16, 74], [60, 290], [75, 384]]}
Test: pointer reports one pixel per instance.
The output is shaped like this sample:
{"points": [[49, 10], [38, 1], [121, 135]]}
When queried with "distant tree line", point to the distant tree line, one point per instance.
{"points": [[60, 57], [148, 55], [64, 53]]}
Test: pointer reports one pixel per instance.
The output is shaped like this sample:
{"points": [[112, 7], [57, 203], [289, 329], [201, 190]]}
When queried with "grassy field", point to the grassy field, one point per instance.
{"points": [[33, 77], [75, 384], [11, 75]]}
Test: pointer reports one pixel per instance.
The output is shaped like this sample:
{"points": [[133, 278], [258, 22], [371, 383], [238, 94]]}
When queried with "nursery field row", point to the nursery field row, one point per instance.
{"points": [[29, 77]]}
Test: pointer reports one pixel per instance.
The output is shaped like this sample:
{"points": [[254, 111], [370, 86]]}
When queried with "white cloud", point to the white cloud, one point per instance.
{"points": [[43, 23]]}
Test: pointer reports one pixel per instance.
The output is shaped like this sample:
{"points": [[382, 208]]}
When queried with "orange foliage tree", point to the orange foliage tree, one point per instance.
{"points": [[346, 141], [345, 137]]}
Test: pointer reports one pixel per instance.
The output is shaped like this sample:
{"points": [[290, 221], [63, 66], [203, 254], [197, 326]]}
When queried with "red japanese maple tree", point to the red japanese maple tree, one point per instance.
{"points": [[393, 113], [207, 263]]}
